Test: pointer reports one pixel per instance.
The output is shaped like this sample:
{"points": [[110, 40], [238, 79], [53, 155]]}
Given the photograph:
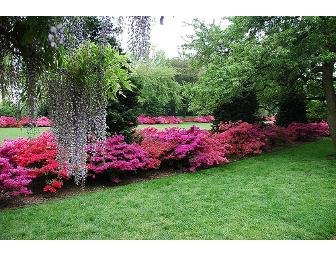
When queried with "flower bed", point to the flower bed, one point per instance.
{"points": [[6, 122], [142, 119], [22, 161]]}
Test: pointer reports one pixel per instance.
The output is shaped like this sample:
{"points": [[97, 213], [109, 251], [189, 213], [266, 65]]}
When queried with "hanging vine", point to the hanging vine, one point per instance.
{"points": [[139, 40], [78, 93]]}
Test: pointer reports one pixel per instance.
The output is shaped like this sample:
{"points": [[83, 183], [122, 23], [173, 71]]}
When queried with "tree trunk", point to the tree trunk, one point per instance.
{"points": [[3, 87], [329, 91], [31, 89]]}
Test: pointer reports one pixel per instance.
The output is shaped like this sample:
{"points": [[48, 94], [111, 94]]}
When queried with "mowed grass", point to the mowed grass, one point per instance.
{"points": [[289, 194], [13, 133]]}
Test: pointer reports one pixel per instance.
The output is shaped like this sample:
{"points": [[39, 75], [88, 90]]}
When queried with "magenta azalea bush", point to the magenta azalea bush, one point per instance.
{"points": [[23, 160], [24, 122], [7, 122], [200, 119], [115, 154], [43, 122], [142, 119], [14, 181], [306, 132], [192, 148]]}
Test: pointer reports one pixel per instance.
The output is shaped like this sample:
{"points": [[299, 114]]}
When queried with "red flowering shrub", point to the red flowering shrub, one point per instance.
{"points": [[115, 154], [37, 156], [167, 120], [244, 138], [223, 126], [43, 122], [194, 147], [7, 122], [276, 135], [201, 119], [142, 119], [271, 119], [53, 186], [306, 132], [23, 160], [26, 121], [13, 180]]}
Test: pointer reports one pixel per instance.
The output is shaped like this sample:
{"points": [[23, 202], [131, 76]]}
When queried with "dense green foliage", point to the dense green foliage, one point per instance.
{"points": [[166, 85], [292, 107], [242, 107], [288, 194], [122, 113], [160, 94], [270, 55], [7, 109], [316, 111]]}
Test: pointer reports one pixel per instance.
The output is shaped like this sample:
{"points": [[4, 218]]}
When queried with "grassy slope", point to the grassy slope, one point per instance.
{"points": [[290, 194]]}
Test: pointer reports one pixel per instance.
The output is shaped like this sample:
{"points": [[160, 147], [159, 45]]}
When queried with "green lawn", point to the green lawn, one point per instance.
{"points": [[289, 194], [12, 133]]}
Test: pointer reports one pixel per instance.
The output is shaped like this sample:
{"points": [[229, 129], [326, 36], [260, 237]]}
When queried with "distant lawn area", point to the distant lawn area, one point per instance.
{"points": [[12, 133], [288, 194]]}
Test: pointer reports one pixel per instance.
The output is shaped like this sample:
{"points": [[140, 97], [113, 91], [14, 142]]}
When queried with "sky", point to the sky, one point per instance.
{"points": [[170, 36], [173, 33]]}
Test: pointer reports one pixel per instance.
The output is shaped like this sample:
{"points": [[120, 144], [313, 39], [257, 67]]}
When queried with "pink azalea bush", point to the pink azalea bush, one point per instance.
{"points": [[245, 139], [43, 122], [35, 157], [23, 160], [7, 122], [200, 119], [24, 122], [309, 131], [14, 181], [115, 154], [193, 147], [142, 119]]}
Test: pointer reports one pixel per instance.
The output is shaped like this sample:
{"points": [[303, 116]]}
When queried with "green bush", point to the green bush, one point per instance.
{"points": [[292, 107], [242, 107], [316, 111], [7, 109], [122, 113]]}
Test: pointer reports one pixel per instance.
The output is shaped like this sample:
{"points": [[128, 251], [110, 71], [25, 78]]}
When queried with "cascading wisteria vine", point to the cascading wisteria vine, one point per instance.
{"points": [[88, 73], [139, 40]]}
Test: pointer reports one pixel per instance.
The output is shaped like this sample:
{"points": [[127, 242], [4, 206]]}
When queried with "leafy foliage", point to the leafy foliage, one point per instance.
{"points": [[242, 107], [292, 108], [122, 113], [160, 94]]}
